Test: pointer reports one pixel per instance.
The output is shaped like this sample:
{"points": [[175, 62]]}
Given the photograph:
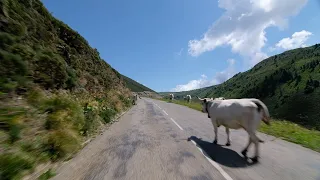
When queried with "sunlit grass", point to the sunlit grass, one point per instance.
{"points": [[279, 128]]}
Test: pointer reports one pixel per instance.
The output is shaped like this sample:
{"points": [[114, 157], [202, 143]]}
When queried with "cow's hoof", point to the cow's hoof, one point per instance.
{"points": [[215, 142], [254, 159], [244, 152], [228, 144]]}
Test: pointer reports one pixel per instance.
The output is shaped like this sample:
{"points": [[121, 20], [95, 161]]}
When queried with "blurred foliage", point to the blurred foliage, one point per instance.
{"points": [[288, 83], [50, 84]]}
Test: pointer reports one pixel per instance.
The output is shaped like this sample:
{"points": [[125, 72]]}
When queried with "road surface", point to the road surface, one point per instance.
{"points": [[160, 140]]}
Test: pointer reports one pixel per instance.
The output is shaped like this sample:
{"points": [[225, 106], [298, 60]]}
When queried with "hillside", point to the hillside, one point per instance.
{"points": [[135, 86], [288, 83], [55, 90]]}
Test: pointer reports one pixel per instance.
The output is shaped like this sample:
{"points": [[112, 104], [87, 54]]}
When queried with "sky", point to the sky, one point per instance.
{"points": [[179, 45]]}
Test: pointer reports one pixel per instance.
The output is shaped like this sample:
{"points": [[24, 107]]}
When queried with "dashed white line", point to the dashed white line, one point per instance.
{"points": [[214, 164], [157, 105], [176, 124], [165, 112]]}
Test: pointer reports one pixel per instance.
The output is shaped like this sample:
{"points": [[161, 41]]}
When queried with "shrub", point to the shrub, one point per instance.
{"points": [[107, 114], [11, 65], [50, 71], [63, 111], [91, 119], [6, 39], [11, 165], [35, 96], [72, 78], [10, 118], [47, 175], [61, 143]]}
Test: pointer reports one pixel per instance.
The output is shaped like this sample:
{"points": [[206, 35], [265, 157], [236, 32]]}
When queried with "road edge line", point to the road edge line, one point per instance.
{"points": [[176, 124], [165, 112], [213, 163]]}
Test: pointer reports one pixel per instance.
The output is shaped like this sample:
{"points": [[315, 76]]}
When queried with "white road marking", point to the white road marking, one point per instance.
{"points": [[165, 112], [157, 105], [176, 124], [214, 164]]}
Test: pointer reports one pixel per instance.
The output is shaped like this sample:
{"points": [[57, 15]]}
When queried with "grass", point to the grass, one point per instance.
{"points": [[47, 175], [44, 127], [12, 165], [279, 128]]}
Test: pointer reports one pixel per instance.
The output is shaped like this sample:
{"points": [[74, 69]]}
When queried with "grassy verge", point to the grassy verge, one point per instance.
{"points": [[279, 128], [41, 126]]}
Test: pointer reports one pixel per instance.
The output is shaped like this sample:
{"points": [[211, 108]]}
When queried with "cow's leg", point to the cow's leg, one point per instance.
{"points": [[228, 136], [245, 150], [255, 140], [215, 127]]}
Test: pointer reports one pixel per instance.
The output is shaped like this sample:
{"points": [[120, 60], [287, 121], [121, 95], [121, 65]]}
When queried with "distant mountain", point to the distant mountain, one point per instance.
{"points": [[135, 86], [288, 83]]}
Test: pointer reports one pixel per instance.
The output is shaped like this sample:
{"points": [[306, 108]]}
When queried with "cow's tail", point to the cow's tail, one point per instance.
{"points": [[265, 112]]}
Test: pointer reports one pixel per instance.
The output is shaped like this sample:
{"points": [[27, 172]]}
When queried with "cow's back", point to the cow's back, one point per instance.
{"points": [[233, 113]]}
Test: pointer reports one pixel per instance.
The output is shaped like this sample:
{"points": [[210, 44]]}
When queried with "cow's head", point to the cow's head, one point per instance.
{"points": [[205, 104]]}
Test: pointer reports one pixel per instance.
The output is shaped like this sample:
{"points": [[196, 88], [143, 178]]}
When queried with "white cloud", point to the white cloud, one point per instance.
{"points": [[203, 76], [193, 84], [203, 81], [298, 39], [243, 24], [180, 52]]}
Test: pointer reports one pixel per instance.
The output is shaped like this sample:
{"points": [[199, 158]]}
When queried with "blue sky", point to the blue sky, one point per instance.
{"points": [[175, 45]]}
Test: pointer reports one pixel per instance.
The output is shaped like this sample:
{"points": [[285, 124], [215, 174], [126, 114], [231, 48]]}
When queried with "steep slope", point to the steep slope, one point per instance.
{"points": [[55, 90], [135, 86], [288, 83]]}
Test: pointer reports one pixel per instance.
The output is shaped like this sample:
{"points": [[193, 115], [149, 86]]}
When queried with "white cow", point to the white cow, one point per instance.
{"points": [[236, 114], [219, 98], [188, 98], [171, 96], [135, 99]]}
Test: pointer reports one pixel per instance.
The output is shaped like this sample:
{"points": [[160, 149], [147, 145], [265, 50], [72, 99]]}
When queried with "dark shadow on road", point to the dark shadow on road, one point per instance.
{"points": [[221, 155]]}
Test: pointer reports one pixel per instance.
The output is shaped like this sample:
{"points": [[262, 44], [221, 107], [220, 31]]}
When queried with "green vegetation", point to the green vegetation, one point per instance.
{"points": [[47, 175], [279, 128], [288, 83], [135, 86], [55, 90]]}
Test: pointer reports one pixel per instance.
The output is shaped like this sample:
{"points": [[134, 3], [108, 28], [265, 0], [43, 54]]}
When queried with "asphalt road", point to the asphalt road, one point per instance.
{"points": [[160, 140]]}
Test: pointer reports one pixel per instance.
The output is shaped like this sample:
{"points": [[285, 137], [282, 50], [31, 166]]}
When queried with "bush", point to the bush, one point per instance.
{"points": [[10, 118], [11, 65], [91, 119], [24, 51], [107, 114], [72, 78], [50, 71], [47, 175], [11, 165], [61, 143], [63, 112], [35, 96], [5, 40]]}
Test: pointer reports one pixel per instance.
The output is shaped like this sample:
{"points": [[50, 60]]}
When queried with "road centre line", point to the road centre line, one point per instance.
{"points": [[213, 163], [176, 124], [157, 105], [165, 112]]}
